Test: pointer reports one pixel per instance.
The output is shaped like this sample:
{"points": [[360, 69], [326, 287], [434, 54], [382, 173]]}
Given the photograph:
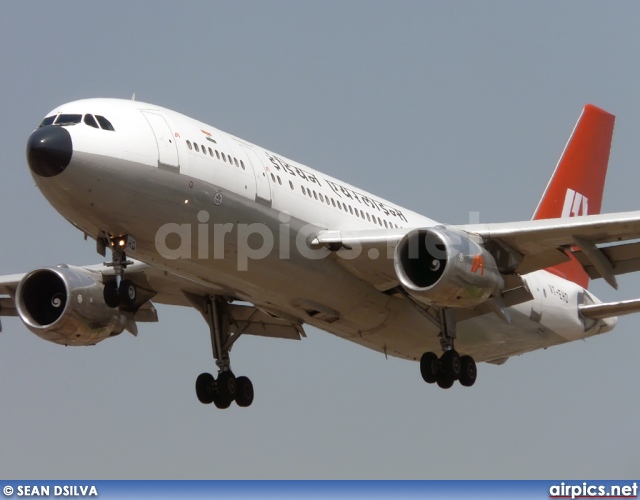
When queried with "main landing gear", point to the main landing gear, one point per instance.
{"points": [[227, 388], [449, 367]]}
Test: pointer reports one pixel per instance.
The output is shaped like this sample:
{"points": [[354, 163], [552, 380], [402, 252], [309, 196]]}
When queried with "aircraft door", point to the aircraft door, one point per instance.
{"points": [[263, 188], [167, 151]]}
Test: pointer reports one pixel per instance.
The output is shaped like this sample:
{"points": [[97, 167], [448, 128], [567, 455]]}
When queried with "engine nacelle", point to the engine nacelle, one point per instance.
{"points": [[443, 268], [66, 306]]}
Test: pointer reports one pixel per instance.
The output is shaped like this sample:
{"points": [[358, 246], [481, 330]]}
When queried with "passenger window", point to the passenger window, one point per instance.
{"points": [[196, 147], [242, 165], [224, 158], [104, 123], [204, 149], [279, 181], [321, 197], [189, 145], [235, 160], [47, 121], [210, 152], [273, 177], [290, 183], [315, 195], [91, 121], [68, 119], [217, 154], [303, 190], [385, 224]]}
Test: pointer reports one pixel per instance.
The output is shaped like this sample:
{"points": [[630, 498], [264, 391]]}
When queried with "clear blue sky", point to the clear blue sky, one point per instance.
{"points": [[444, 107]]}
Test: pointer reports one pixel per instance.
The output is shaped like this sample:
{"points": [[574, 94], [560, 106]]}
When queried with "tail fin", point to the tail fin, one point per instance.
{"points": [[577, 183]]}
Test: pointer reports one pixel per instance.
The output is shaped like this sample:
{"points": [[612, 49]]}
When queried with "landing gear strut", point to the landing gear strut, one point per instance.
{"points": [[449, 367], [120, 292], [226, 388]]}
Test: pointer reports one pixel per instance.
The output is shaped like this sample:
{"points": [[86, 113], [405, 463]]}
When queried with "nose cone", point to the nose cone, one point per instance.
{"points": [[49, 150]]}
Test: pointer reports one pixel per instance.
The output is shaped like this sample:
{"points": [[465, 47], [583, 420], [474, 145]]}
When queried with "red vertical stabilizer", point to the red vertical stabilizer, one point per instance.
{"points": [[577, 183]]}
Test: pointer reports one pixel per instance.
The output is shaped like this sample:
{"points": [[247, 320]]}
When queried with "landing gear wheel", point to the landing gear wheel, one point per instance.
{"points": [[429, 367], [111, 295], [205, 388], [444, 381], [128, 293], [468, 371], [450, 364], [244, 392], [222, 402], [227, 385], [228, 388]]}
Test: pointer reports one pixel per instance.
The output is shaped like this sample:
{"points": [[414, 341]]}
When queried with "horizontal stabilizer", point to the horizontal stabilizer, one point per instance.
{"points": [[610, 309]]}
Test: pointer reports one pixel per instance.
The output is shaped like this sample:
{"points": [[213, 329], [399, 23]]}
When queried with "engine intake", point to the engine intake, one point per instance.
{"points": [[445, 268], [66, 306]]}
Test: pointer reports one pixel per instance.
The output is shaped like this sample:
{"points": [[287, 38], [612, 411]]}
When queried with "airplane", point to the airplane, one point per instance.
{"points": [[262, 245]]}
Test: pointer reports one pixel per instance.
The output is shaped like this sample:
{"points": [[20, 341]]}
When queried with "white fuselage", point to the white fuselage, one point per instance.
{"points": [[215, 209]]}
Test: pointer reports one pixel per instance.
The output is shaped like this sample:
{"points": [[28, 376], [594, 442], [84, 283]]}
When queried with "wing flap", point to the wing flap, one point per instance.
{"points": [[624, 258], [253, 321]]}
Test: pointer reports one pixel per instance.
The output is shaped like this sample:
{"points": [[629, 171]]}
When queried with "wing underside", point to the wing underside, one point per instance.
{"points": [[170, 289]]}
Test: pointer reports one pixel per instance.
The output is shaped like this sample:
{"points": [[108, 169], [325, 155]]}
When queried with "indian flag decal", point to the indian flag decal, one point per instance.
{"points": [[208, 136]]}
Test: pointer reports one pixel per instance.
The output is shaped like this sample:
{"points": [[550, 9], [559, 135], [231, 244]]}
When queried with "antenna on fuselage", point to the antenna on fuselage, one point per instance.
{"points": [[133, 96]]}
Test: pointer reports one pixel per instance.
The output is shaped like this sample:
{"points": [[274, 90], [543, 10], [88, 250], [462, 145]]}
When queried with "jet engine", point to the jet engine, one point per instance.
{"points": [[445, 268], [66, 306]]}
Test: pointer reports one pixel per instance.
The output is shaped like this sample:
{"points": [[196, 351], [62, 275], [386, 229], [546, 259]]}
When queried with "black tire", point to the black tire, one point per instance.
{"points": [[468, 371], [222, 402], [128, 294], [244, 392], [429, 367], [226, 386], [205, 388], [450, 364], [111, 295], [444, 381]]}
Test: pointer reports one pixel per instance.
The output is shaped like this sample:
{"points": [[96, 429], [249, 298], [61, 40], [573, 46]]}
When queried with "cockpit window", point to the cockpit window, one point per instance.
{"points": [[48, 121], [91, 121], [104, 123], [66, 119]]}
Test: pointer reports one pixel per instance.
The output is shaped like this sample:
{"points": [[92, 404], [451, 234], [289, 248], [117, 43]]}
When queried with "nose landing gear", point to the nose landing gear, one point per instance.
{"points": [[121, 292]]}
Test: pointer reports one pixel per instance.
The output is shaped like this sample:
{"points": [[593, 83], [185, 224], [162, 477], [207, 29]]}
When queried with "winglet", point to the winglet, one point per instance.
{"points": [[577, 184]]}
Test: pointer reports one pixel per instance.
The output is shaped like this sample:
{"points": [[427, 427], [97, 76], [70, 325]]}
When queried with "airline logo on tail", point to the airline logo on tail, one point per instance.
{"points": [[575, 204]]}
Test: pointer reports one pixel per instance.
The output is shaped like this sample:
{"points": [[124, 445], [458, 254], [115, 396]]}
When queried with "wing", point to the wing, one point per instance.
{"points": [[170, 289], [601, 243]]}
